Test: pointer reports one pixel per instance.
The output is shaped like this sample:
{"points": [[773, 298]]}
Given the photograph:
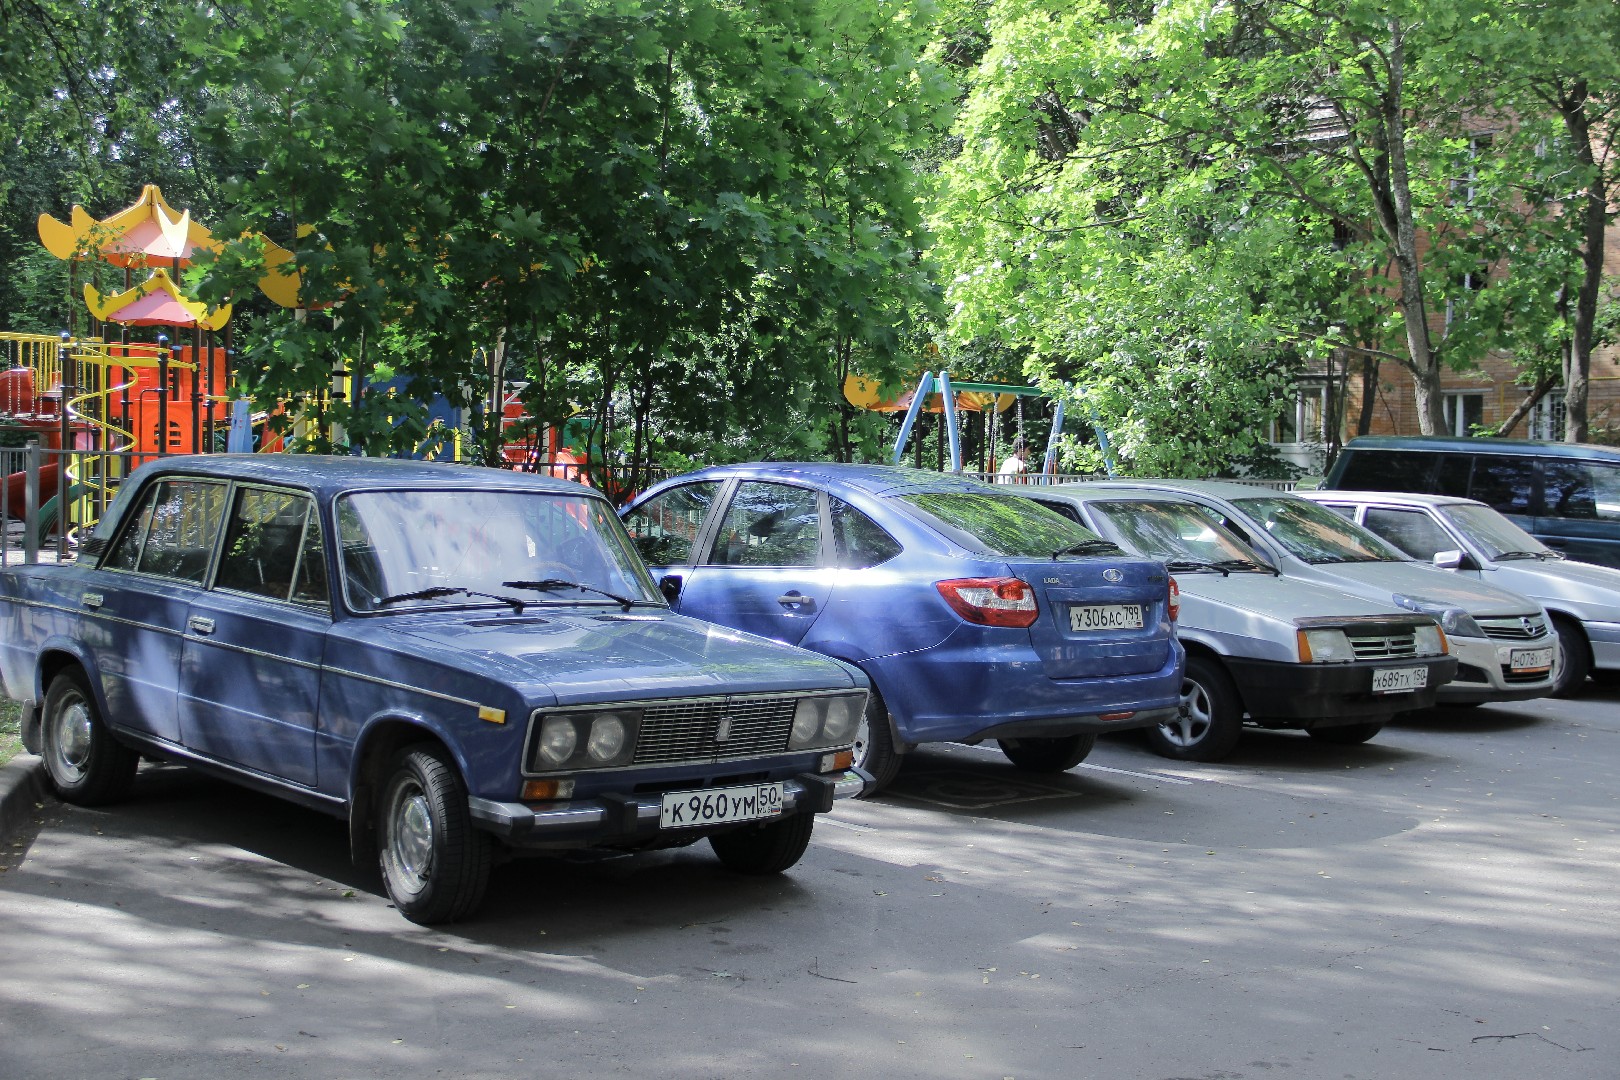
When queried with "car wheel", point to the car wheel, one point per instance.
{"points": [[86, 764], [874, 744], [767, 848], [1346, 734], [434, 864], [1210, 719], [1577, 658], [1048, 755]]}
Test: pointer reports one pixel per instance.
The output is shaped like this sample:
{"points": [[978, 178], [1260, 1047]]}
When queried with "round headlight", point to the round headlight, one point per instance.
{"points": [[607, 738], [843, 715], [557, 740], [807, 718]]}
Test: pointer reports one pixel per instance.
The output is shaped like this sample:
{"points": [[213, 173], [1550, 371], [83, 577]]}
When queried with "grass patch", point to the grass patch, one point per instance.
{"points": [[10, 729]]}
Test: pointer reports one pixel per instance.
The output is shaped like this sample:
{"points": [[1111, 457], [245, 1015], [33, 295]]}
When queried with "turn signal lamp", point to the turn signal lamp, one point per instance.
{"points": [[544, 790]]}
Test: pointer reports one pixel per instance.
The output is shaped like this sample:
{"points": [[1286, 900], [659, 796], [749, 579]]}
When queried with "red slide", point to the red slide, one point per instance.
{"points": [[17, 488]]}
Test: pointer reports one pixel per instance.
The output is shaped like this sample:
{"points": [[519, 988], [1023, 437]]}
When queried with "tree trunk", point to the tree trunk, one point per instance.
{"points": [[1594, 214], [1522, 410], [1369, 394]]}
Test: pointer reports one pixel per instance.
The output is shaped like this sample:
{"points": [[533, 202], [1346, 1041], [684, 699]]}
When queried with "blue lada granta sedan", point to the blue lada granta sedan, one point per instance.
{"points": [[977, 614]]}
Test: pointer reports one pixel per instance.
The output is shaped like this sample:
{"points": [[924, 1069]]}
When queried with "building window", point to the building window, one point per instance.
{"points": [[1547, 417], [1464, 409], [1304, 415]]}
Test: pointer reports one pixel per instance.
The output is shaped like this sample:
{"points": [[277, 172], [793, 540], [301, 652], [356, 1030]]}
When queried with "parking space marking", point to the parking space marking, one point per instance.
{"points": [[1165, 777]]}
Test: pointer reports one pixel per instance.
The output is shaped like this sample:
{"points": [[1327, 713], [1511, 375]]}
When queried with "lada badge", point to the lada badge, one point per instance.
{"points": [[723, 731], [1112, 575]]}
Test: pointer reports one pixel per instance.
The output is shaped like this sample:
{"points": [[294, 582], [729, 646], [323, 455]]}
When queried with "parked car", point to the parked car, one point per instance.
{"points": [[455, 660], [976, 613], [1503, 641], [1567, 495], [1472, 539], [1283, 652]]}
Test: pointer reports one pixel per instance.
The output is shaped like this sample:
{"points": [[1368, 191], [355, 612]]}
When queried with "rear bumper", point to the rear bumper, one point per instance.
{"points": [[969, 694], [626, 819], [1318, 695]]}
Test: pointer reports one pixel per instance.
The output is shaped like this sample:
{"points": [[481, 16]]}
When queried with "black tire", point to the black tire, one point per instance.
{"points": [[1048, 755], [1210, 720], [767, 848], [86, 764], [434, 864], [874, 744], [1346, 734], [1577, 658]]}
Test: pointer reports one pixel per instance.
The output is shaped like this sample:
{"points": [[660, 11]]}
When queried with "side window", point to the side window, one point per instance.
{"points": [[1581, 489], [173, 533], [664, 528], [860, 541], [770, 525], [1413, 531], [1505, 483], [1061, 507], [273, 547], [1343, 510], [1388, 470]]}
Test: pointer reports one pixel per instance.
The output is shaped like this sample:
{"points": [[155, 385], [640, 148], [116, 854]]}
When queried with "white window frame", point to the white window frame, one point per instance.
{"points": [[1307, 389], [1546, 419], [1457, 417]]}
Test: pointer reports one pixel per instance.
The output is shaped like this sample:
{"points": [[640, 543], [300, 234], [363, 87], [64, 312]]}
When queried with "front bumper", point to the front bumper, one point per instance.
{"points": [[625, 820], [1317, 695], [1484, 671]]}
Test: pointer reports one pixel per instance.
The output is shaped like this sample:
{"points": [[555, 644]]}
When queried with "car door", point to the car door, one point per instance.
{"points": [[153, 570], [766, 567], [255, 641], [1415, 532], [1580, 512]]}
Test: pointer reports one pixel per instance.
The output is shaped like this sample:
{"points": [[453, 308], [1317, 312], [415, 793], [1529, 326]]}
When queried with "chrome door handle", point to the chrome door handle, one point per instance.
{"points": [[92, 599], [798, 600], [200, 624]]}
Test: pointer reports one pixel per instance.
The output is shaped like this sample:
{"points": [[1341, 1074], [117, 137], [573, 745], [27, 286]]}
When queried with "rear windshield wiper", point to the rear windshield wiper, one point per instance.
{"points": [[552, 584], [1090, 547], [440, 591]]}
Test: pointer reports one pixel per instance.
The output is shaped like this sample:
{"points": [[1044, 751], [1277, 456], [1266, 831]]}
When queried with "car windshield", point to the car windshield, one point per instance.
{"points": [[1315, 533], [404, 550], [1170, 531], [1495, 534], [1007, 525]]}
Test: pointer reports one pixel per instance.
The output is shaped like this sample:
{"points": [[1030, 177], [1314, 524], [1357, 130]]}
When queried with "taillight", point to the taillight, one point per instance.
{"points": [[1175, 600], [1002, 601]]}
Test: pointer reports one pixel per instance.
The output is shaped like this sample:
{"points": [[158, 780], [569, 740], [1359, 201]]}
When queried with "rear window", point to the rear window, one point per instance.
{"points": [[991, 524]]}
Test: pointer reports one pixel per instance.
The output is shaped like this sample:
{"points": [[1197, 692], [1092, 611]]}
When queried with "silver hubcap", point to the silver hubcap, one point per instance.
{"points": [[1193, 721], [70, 740], [863, 741], [411, 833]]}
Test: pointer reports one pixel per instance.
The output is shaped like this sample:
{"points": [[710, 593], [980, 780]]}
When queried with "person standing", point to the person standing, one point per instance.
{"points": [[1017, 462]]}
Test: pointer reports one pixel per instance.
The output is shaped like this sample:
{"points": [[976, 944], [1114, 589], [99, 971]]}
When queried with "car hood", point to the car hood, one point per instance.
{"points": [[1377, 580], [587, 657], [1269, 597], [1591, 590]]}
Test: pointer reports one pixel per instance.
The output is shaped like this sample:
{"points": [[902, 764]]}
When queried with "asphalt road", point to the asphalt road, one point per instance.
{"points": [[1438, 903]]}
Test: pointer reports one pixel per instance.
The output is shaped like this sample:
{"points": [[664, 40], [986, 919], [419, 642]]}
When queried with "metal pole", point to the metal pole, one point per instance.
{"points": [[950, 420], [163, 394], [1049, 466], [31, 502], [923, 386]]}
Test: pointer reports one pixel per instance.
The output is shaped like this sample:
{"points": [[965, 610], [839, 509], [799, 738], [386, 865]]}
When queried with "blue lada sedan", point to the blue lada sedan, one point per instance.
{"points": [[977, 614], [458, 661]]}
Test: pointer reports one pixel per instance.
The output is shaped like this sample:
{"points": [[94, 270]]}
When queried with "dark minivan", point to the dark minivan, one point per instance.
{"points": [[1566, 494]]}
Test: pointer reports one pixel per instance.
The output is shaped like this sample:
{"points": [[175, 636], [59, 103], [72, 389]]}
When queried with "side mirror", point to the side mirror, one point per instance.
{"points": [[1455, 560], [670, 586]]}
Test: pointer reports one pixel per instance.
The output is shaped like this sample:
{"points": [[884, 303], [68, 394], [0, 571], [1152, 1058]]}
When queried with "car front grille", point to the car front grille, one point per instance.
{"points": [[1527, 628], [713, 729], [1383, 646]]}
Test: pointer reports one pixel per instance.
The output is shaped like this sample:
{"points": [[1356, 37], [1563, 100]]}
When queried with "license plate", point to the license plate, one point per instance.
{"points": [[683, 809], [1531, 659], [1084, 617], [1399, 679]]}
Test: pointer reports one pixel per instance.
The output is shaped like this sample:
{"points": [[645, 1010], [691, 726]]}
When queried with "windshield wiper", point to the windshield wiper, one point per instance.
{"points": [[1528, 555], [1187, 566], [440, 591], [552, 584], [1090, 547], [1246, 564]]}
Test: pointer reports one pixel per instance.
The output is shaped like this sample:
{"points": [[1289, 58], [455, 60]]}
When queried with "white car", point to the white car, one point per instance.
{"points": [[1476, 541], [1504, 642], [1283, 652]]}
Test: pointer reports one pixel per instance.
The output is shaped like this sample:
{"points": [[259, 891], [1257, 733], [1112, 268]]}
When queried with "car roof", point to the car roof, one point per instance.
{"points": [[1096, 491], [873, 479], [1470, 444], [1215, 489], [330, 474], [1392, 498]]}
